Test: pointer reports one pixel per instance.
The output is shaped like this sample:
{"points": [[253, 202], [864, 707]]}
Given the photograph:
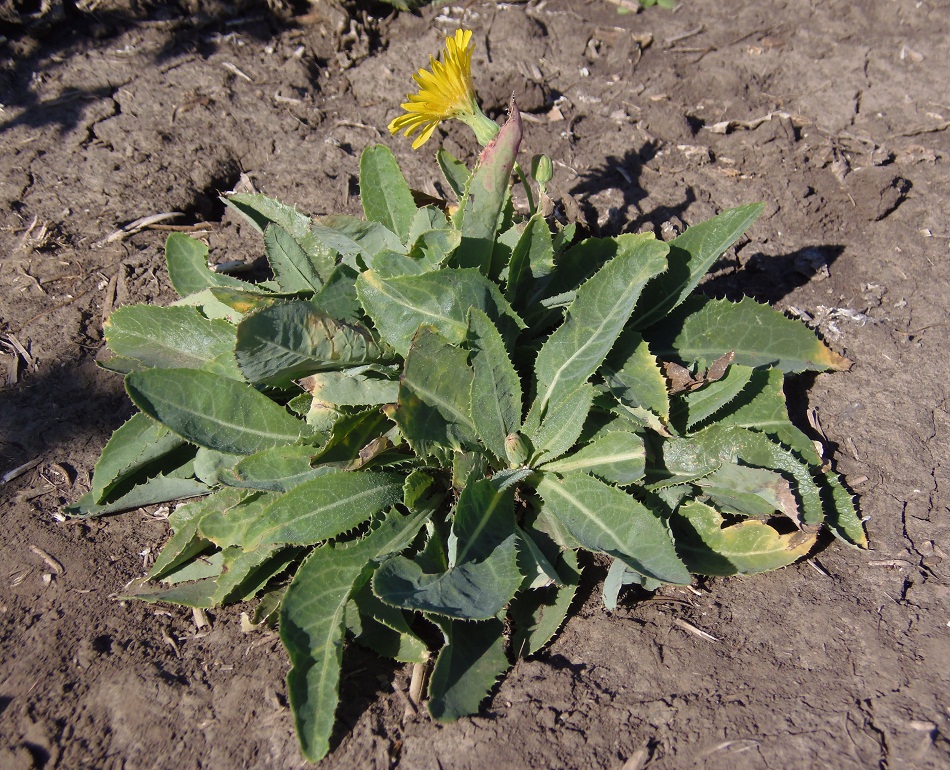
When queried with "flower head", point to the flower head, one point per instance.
{"points": [[445, 91]]}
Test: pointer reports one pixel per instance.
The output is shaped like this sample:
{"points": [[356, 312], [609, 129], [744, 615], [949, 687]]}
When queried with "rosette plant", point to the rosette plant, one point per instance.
{"points": [[416, 433]]}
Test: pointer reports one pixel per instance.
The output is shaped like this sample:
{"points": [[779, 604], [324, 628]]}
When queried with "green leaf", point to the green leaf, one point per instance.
{"points": [[356, 240], [634, 377], [616, 457], [278, 469], [229, 526], [562, 425], [294, 339], [312, 625], [384, 192], [456, 173], [435, 393], [432, 248], [347, 388], [261, 211], [710, 548], [212, 307], [337, 298], [383, 628], [746, 491], [496, 387], [442, 299], [703, 329], [467, 668], [215, 468], [701, 404], [539, 614], [172, 338], [186, 543], [483, 575], [703, 452], [187, 260], [843, 518], [170, 477], [137, 443], [532, 256], [485, 195], [761, 406], [691, 255], [243, 301], [605, 519], [595, 319], [212, 411], [324, 507], [291, 266]]}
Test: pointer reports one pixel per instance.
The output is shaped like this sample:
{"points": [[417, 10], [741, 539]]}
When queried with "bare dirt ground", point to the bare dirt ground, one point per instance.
{"points": [[834, 113]]}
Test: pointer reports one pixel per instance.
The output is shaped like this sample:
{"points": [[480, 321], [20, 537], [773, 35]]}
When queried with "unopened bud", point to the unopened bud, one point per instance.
{"points": [[542, 170], [516, 447]]}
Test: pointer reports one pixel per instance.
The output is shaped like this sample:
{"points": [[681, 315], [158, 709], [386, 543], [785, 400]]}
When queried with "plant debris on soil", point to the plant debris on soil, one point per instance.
{"points": [[121, 122]]}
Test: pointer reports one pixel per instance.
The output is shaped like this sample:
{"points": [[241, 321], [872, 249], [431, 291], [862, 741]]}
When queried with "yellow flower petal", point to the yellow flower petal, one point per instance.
{"points": [[446, 91]]}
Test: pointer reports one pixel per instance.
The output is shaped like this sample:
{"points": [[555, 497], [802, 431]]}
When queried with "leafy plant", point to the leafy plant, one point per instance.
{"points": [[416, 427]]}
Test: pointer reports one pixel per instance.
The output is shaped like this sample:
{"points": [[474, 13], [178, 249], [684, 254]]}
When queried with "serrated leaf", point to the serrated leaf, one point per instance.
{"points": [[538, 615], [261, 211], [212, 307], [699, 405], [531, 257], [188, 271], [162, 487], [710, 548], [212, 411], [324, 507], [703, 452], [533, 563], [356, 240], [756, 492], [704, 329], [605, 519], [562, 424], [198, 594], [294, 339], [171, 338], [215, 468], [432, 248], [278, 469], [384, 192], [229, 526], [617, 457], [383, 628], [186, 543], [312, 626], [456, 173], [441, 299], [291, 266], [634, 377], [496, 387], [485, 195], [348, 389], [337, 298], [842, 517], [691, 255], [761, 406], [467, 668], [134, 445], [481, 578], [595, 319], [435, 393]]}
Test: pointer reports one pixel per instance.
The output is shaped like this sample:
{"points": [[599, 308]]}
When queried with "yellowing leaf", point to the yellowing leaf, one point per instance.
{"points": [[709, 548]]}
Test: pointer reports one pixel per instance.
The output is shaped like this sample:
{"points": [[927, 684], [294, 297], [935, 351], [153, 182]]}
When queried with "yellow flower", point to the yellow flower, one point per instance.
{"points": [[445, 92]]}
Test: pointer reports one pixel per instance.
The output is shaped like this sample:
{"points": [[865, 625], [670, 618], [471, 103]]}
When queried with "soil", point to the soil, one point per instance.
{"points": [[834, 113]]}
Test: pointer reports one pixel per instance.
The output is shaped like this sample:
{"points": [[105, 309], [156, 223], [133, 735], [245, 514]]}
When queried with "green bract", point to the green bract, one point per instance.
{"points": [[422, 419]]}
